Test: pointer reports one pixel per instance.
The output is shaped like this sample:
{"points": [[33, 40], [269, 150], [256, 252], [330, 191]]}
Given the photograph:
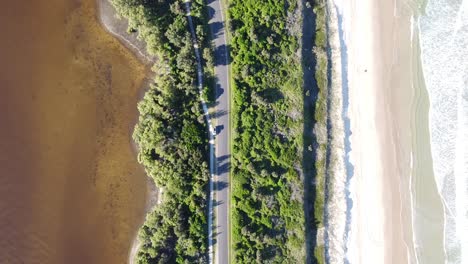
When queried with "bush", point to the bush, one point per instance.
{"points": [[268, 217], [171, 139]]}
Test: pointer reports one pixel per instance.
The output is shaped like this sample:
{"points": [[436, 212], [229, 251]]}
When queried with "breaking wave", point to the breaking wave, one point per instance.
{"points": [[444, 53]]}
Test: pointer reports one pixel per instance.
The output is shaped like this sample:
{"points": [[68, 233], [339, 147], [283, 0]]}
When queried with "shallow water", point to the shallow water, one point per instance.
{"points": [[71, 190], [427, 209], [444, 42]]}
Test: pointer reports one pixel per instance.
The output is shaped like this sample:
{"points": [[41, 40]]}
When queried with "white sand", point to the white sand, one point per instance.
{"points": [[366, 243], [376, 226]]}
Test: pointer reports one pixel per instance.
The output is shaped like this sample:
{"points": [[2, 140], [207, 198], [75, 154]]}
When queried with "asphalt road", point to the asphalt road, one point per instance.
{"points": [[220, 155], [222, 140]]}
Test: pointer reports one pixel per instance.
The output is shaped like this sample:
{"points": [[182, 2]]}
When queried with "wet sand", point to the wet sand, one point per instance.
{"points": [[417, 221], [428, 213], [427, 208], [397, 212], [399, 97], [71, 190]]}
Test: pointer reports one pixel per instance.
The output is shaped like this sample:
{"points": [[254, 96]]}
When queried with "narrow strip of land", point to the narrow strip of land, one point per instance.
{"points": [[219, 145]]}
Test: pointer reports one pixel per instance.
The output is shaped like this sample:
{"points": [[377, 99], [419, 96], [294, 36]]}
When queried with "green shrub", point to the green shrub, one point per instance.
{"points": [[170, 132], [268, 222]]}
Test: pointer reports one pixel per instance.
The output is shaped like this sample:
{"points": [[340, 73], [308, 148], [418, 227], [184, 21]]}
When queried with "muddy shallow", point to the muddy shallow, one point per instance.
{"points": [[71, 190]]}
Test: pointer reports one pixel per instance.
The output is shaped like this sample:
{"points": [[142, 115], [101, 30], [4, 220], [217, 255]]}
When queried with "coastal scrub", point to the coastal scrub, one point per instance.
{"points": [[171, 134]]}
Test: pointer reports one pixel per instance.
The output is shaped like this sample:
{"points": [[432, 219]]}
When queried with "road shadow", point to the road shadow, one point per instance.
{"points": [[223, 164], [216, 203], [218, 114], [214, 234], [210, 10], [222, 158], [309, 155], [219, 90], [219, 186], [216, 28], [218, 129], [222, 55]]}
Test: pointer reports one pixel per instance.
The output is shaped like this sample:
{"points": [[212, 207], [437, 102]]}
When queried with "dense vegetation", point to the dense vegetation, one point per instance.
{"points": [[171, 133], [320, 118], [268, 192], [272, 110], [268, 216]]}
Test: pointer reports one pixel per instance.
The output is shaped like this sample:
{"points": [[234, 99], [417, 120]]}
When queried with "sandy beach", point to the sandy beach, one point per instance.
{"points": [[367, 241], [378, 40]]}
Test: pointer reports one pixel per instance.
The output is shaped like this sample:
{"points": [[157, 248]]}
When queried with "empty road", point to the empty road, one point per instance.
{"points": [[222, 140], [220, 153]]}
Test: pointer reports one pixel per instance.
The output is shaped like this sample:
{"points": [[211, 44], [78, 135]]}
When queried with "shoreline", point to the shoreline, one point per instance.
{"points": [[443, 37], [384, 109], [395, 139], [117, 28], [426, 202]]}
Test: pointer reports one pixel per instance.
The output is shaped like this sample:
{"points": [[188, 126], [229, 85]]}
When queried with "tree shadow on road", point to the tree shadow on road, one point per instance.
{"points": [[223, 164], [218, 114], [219, 186]]}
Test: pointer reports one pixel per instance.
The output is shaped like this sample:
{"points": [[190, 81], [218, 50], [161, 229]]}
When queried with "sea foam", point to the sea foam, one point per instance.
{"points": [[444, 53]]}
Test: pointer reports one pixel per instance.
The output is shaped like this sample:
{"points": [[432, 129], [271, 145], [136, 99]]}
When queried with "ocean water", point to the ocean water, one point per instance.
{"points": [[443, 31]]}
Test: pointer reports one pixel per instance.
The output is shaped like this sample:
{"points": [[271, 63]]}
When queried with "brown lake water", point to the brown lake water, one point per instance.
{"points": [[71, 190]]}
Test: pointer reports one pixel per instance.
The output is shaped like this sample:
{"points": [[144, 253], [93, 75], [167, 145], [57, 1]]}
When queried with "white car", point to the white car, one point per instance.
{"points": [[213, 131]]}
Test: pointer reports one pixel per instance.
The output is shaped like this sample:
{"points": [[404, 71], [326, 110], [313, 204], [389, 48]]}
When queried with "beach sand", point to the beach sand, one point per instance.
{"points": [[378, 37]]}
